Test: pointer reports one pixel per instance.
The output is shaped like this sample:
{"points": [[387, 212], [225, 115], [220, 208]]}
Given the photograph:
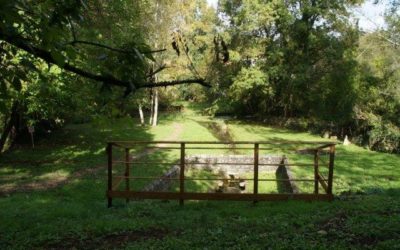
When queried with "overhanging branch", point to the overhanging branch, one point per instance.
{"points": [[115, 49], [161, 68], [45, 55], [177, 82]]}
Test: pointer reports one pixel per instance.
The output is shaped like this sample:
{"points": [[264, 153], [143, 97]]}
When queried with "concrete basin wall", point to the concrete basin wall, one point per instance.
{"points": [[238, 164]]}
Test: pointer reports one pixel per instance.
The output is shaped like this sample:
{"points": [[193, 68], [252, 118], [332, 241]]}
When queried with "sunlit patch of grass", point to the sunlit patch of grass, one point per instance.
{"points": [[267, 187], [356, 169], [58, 174]]}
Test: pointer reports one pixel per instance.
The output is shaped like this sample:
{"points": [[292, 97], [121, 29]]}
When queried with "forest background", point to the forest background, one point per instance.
{"points": [[300, 64]]}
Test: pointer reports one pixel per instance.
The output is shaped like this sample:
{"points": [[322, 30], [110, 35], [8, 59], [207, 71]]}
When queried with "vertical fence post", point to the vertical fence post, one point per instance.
{"points": [[109, 158], [331, 164], [316, 172], [255, 189], [182, 175], [127, 172]]}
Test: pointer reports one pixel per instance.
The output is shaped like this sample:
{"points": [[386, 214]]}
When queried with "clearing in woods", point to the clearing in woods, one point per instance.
{"points": [[366, 187]]}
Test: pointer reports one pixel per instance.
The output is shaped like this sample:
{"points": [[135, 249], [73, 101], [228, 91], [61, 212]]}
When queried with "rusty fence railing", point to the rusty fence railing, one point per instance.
{"points": [[128, 161]]}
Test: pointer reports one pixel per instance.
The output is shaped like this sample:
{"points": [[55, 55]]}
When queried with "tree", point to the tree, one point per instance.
{"points": [[181, 26], [78, 37], [377, 109], [251, 90], [304, 46]]}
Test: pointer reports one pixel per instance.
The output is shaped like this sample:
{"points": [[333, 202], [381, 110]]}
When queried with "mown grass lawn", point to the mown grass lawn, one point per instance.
{"points": [[365, 213]]}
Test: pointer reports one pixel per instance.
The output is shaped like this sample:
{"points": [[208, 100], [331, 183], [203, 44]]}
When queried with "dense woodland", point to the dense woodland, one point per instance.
{"points": [[303, 64]]}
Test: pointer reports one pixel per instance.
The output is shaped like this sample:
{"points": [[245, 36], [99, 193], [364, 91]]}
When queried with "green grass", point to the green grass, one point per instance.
{"points": [[266, 187], [198, 186], [365, 213], [356, 169]]}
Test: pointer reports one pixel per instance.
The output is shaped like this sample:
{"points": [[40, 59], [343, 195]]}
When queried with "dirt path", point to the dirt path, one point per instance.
{"points": [[58, 181], [178, 129]]}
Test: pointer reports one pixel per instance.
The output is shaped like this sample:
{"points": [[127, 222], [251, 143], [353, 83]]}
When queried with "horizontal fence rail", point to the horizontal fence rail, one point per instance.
{"points": [[127, 161]]}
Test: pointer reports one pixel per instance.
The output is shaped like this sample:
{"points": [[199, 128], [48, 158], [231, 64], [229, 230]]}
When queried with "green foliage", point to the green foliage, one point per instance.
{"points": [[97, 37], [251, 91], [303, 48], [385, 138], [378, 105], [318, 66]]}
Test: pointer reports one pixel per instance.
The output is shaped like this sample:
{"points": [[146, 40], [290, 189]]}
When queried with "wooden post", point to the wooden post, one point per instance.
{"points": [[255, 189], [316, 172], [109, 155], [331, 164], [182, 174], [127, 174]]}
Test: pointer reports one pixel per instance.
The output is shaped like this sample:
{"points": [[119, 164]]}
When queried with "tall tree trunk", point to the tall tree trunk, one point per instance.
{"points": [[8, 125], [151, 107], [141, 115], [155, 115]]}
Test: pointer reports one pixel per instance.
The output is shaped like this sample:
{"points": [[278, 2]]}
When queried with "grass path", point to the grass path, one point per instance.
{"points": [[175, 135]]}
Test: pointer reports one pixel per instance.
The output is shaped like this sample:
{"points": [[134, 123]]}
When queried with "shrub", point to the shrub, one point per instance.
{"points": [[251, 91], [385, 138]]}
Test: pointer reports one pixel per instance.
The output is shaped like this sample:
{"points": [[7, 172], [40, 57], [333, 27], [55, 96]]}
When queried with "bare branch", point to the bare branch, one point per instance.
{"points": [[114, 49], [378, 27], [161, 68], [176, 82], [153, 51], [388, 40], [101, 46], [72, 28]]}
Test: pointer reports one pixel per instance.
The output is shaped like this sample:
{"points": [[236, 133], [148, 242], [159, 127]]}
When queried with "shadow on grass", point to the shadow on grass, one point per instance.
{"points": [[77, 214], [75, 148]]}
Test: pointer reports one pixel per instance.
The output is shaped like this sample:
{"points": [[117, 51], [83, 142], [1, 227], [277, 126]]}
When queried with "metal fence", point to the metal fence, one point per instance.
{"points": [[316, 150]]}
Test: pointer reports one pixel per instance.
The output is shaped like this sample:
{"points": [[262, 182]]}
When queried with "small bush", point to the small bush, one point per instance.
{"points": [[385, 138]]}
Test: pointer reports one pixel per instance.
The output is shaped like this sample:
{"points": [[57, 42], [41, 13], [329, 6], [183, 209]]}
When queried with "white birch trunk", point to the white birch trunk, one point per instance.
{"points": [[151, 108], [155, 115], [141, 115]]}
